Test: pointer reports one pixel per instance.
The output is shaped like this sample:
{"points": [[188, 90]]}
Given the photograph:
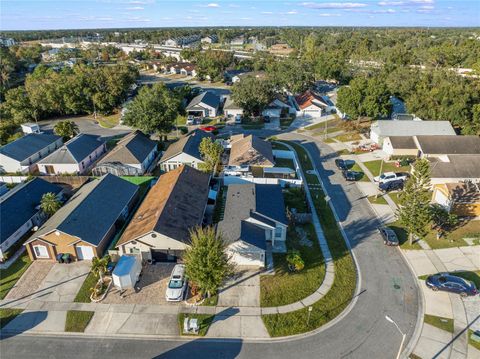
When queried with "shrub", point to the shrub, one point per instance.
{"points": [[295, 261]]}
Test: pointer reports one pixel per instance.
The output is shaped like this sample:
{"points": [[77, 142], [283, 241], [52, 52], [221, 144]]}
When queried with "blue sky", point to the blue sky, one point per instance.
{"points": [[76, 14]]}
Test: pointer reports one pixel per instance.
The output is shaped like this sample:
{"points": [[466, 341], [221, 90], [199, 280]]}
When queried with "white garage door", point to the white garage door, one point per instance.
{"points": [[84, 252]]}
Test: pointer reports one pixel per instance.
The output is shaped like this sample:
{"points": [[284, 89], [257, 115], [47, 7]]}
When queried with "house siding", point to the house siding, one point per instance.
{"points": [[181, 159]]}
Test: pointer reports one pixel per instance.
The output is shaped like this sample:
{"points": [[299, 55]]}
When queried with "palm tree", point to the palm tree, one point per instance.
{"points": [[50, 204], [99, 266], [66, 129]]}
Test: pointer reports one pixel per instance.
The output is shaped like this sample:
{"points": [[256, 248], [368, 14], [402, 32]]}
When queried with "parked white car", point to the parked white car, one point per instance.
{"points": [[391, 176], [177, 284], [238, 119]]}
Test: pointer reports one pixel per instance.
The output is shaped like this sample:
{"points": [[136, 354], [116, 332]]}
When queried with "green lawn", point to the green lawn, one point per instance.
{"points": [[395, 196], [374, 167], [377, 200], [343, 152], [439, 322], [295, 198], [332, 126], [204, 321], [348, 137], [83, 295], [138, 180], [77, 320], [109, 121], [329, 140], [181, 120], [362, 177], [284, 162], [285, 287], [7, 315], [343, 288], [211, 302], [472, 342], [10, 276]]}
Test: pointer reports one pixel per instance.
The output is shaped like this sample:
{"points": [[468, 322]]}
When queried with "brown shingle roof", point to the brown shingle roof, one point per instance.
{"points": [[188, 144], [459, 166], [174, 205], [134, 148], [403, 142], [251, 151]]}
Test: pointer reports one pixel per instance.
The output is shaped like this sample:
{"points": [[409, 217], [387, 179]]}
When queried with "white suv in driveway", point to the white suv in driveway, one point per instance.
{"points": [[177, 284]]}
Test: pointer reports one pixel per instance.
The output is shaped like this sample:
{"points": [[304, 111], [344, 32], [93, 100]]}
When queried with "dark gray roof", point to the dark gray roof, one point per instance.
{"points": [[21, 203], [253, 234], [404, 142], [449, 145], [27, 145], [460, 166], [208, 98], [75, 150], [231, 105], [188, 144], [134, 148], [251, 200], [92, 210]]}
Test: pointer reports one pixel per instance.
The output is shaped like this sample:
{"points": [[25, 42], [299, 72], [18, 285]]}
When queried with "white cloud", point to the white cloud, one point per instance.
{"points": [[135, 8], [213, 5], [267, 13], [422, 1], [234, 5], [292, 12], [328, 15], [427, 7], [245, 18], [137, 19], [391, 3], [334, 5]]}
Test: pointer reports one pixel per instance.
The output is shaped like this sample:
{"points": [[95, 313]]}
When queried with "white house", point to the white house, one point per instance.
{"points": [[184, 152], [381, 129], [254, 216], [132, 156], [20, 211], [210, 39], [30, 128], [231, 109], [204, 105], [23, 154], [75, 156], [313, 105], [400, 146], [281, 104], [160, 229]]}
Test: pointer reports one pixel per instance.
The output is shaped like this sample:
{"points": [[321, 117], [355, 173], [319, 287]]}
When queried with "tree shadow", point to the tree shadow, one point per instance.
{"points": [[14, 324]]}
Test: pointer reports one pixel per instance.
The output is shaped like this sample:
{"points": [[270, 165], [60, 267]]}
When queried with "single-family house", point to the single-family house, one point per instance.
{"points": [[75, 156], [242, 75], [231, 109], [210, 39], [20, 210], [462, 199], [184, 152], [400, 146], [188, 69], [233, 75], [132, 156], [204, 105], [85, 225], [160, 229], [442, 146], [184, 41], [23, 154], [454, 168], [254, 216], [237, 41], [249, 155], [381, 129], [312, 105], [281, 104]]}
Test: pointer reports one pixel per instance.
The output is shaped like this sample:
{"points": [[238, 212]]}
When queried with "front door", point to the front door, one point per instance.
{"points": [[50, 170]]}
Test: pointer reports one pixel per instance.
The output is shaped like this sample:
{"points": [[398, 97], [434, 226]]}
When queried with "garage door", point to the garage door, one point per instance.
{"points": [[165, 255], [85, 252]]}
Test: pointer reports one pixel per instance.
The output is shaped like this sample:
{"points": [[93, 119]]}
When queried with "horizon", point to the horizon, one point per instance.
{"points": [[31, 15]]}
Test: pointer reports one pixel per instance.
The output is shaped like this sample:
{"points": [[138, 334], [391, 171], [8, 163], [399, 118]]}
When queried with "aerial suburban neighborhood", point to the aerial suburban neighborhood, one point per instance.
{"points": [[232, 180]]}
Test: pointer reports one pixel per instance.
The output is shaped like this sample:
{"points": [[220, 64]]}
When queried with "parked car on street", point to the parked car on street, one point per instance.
{"points": [[391, 185], [389, 236], [177, 284], [341, 164], [451, 283], [391, 176], [208, 128]]}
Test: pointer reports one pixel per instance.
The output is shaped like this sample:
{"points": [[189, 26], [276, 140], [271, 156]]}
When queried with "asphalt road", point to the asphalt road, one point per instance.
{"points": [[85, 125], [387, 288]]}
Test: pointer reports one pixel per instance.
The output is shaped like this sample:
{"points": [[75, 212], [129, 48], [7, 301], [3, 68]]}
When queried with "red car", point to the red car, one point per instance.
{"points": [[208, 128]]}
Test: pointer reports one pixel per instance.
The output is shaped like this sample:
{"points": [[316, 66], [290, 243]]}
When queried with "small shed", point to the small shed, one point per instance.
{"points": [[127, 272]]}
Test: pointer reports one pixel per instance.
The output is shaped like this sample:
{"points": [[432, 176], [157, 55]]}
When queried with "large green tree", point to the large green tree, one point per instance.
{"points": [[252, 94], [211, 152], [414, 212], [153, 109], [66, 129], [207, 264]]}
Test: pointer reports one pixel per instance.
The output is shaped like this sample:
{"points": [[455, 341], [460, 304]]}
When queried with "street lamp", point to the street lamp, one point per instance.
{"points": [[403, 334]]}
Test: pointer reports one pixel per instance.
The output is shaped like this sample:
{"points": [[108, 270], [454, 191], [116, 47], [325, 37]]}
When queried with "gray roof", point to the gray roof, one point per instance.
{"points": [[208, 98], [188, 144], [449, 145], [134, 148], [21, 203], [75, 150], [403, 142], [230, 105], [93, 209], [387, 128], [28, 145], [459, 166], [262, 202]]}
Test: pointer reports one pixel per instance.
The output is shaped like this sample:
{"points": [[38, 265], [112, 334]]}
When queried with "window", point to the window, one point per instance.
{"points": [[278, 231], [40, 251]]}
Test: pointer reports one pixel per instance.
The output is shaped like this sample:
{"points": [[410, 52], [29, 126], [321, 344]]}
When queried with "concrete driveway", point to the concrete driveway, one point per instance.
{"points": [[242, 290]]}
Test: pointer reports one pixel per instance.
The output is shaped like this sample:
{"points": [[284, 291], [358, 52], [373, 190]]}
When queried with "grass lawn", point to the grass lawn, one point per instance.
{"points": [[204, 321], [439, 322], [362, 177], [378, 200], [343, 288], [7, 315], [348, 137], [77, 320], [83, 295], [295, 198], [109, 121], [343, 152], [472, 342], [10, 276], [332, 126], [285, 287], [395, 197], [181, 120], [329, 140], [285, 162], [211, 302], [374, 167], [138, 180]]}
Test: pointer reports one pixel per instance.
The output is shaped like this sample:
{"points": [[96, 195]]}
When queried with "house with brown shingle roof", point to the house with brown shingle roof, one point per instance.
{"points": [[250, 154], [160, 229]]}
